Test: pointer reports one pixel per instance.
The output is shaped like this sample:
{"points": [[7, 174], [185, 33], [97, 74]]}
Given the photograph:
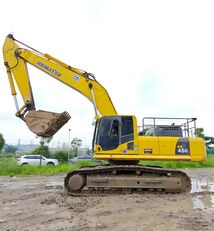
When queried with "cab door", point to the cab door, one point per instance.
{"points": [[109, 131]]}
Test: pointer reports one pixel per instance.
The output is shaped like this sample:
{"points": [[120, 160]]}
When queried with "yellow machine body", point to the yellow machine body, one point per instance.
{"points": [[160, 148], [154, 148]]}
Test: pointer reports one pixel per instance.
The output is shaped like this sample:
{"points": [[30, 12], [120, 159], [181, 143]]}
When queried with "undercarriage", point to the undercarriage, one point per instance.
{"points": [[126, 178]]}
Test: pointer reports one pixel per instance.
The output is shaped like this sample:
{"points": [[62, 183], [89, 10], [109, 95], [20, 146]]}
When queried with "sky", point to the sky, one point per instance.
{"points": [[155, 58]]}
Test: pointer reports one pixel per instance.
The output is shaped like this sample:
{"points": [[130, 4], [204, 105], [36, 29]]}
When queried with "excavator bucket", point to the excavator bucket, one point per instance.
{"points": [[44, 123]]}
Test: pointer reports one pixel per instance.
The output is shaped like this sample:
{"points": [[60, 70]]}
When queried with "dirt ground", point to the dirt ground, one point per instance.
{"points": [[40, 203]]}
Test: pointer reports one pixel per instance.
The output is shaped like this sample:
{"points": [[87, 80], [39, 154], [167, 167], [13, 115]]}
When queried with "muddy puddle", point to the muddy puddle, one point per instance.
{"points": [[203, 203], [203, 194], [204, 184]]}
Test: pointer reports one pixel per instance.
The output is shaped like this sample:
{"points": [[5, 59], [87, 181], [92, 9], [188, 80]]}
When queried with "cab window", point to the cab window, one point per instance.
{"points": [[127, 129]]}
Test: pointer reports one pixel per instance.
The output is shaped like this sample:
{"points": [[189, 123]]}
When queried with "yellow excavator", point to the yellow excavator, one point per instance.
{"points": [[116, 137]]}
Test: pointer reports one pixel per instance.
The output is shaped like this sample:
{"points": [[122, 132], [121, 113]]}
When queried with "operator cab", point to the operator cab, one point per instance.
{"points": [[111, 131]]}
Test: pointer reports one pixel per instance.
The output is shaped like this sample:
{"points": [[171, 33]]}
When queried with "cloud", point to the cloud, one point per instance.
{"points": [[155, 58]]}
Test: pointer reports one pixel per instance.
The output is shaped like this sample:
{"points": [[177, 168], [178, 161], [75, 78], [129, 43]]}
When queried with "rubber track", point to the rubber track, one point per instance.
{"points": [[108, 169]]}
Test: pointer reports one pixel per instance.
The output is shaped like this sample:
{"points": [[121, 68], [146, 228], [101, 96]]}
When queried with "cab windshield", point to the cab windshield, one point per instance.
{"points": [[112, 131]]}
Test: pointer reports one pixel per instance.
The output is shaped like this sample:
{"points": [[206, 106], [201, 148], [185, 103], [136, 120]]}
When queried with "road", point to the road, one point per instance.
{"points": [[40, 203]]}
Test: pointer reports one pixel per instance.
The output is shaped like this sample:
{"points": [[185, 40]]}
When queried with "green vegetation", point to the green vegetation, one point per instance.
{"points": [[76, 143], [9, 167], [209, 140], [2, 142], [61, 156], [43, 148], [182, 164], [9, 149]]}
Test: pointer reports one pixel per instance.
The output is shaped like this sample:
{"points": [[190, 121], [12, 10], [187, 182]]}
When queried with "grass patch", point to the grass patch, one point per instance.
{"points": [[181, 164], [8, 166]]}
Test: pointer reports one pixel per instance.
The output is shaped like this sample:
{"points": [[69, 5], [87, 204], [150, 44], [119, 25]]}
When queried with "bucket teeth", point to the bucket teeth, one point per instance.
{"points": [[44, 123]]}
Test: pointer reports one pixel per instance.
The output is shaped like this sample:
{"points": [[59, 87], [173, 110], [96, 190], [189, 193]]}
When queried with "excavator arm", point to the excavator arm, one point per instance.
{"points": [[45, 123]]}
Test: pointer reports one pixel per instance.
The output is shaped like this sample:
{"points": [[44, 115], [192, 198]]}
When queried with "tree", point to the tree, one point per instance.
{"points": [[209, 144], [209, 140], [76, 143], [43, 149], [60, 155], [10, 149], [89, 152], [199, 132], [2, 142]]}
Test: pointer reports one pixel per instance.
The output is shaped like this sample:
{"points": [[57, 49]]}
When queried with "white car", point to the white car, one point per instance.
{"points": [[36, 160]]}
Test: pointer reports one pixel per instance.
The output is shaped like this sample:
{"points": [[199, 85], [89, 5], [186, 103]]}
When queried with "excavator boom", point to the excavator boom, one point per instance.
{"points": [[44, 123]]}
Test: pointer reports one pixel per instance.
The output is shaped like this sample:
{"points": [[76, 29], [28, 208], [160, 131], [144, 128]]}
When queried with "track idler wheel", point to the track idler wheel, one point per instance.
{"points": [[75, 182]]}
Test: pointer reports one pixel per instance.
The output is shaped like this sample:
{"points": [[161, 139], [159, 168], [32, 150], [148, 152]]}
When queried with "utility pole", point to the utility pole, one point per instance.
{"points": [[69, 142]]}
